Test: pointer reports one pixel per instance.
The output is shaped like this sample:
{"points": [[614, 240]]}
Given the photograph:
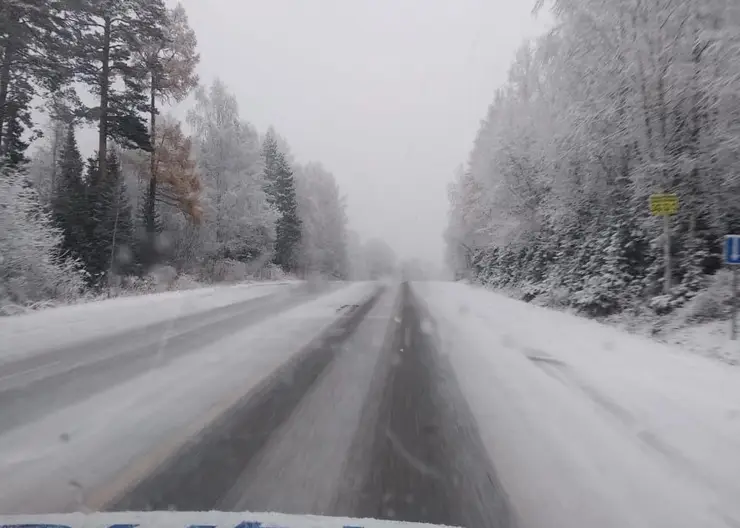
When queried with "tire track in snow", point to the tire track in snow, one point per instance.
{"points": [[200, 474]]}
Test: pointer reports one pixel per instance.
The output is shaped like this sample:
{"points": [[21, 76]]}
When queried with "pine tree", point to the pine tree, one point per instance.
{"points": [[110, 33], [110, 230], [68, 197], [34, 46], [280, 189]]}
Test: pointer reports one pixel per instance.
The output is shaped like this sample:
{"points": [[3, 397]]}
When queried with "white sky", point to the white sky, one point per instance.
{"points": [[387, 94]]}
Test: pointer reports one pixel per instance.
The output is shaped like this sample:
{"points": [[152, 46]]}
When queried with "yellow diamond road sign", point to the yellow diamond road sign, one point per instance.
{"points": [[663, 204]]}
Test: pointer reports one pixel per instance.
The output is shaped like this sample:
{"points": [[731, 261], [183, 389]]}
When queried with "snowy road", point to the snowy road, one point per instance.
{"points": [[41, 383], [436, 403]]}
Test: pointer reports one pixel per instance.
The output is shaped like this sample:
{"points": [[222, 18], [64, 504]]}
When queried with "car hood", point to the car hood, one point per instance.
{"points": [[212, 519]]}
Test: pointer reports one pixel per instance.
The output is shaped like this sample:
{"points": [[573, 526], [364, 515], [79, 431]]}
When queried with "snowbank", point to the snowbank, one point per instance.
{"points": [[68, 325], [590, 426]]}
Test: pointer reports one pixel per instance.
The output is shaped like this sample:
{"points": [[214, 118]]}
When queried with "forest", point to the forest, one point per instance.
{"points": [[620, 100], [209, 198]]}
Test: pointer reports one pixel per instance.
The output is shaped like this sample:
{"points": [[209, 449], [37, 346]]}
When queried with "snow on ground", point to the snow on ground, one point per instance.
{"points": [[72, 458], [68, 325], [709, 339], [588, 425], [216, 519]]}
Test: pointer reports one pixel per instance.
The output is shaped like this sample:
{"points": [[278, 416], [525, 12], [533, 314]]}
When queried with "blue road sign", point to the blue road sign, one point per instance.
{"points": [[732, 249]]}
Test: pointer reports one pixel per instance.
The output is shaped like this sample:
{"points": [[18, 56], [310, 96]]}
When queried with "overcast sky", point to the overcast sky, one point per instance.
{"points": [[387, 94]]}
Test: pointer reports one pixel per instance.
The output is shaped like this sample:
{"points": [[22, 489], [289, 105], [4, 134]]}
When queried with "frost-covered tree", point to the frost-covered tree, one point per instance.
{"points": [[33, 266], [321, 210], [621, 100], [238, 220]]}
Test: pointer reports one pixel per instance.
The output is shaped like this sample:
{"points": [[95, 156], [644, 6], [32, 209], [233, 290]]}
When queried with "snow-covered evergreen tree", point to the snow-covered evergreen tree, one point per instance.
{"points": [[69, 198], [280, 189], [109, 237]]}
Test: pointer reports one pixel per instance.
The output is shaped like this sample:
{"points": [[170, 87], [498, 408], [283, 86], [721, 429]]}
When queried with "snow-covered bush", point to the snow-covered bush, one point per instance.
{"points": [[32, 268], [270, 272], [711, 303], [556, 297], [228, 270], [597, 298], [661, 304], [186, 282], [162, 277]]}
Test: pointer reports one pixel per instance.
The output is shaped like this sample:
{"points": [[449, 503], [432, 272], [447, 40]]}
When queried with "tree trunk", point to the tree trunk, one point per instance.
{"points": [[151, 198], [4, 85], [104, 87], [57, 139]]}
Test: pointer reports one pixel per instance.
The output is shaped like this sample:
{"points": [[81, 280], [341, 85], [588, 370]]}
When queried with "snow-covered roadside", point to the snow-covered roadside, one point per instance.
{"points": [[68, 325], [709, 339], [588, 425], [701, 326], [68, 458]]}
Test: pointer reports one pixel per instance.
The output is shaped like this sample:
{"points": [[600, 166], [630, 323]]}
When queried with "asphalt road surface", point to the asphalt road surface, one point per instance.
{"points": [[366, 420], [37, 385]]}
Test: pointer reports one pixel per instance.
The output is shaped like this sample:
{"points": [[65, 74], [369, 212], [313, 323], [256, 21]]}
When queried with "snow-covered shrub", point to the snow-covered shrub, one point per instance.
{"points": [[271, 272], [556, 297], [711, 303], [186, 282], [661, 304], [32, 268], [135, 284], [228, 270], [597, 298], [531, 291], [163, 277]]}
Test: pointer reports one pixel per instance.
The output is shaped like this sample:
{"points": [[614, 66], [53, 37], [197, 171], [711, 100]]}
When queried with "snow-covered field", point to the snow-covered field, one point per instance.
{"points": [[588, 425], [69, 325]]}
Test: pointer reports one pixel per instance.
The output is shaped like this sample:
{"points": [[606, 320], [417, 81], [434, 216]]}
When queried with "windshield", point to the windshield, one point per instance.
{"points": [[243, 283]]}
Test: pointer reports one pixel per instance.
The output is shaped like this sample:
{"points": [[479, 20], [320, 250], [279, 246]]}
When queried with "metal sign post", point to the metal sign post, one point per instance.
{"points": [[732, 258], [665, 205]]}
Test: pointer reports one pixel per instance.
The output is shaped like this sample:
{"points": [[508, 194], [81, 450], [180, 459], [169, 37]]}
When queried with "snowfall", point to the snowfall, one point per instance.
{"points": [[586, 425]]}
